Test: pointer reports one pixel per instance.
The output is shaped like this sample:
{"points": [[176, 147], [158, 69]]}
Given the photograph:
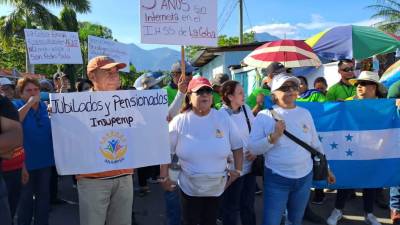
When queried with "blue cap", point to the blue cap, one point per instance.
{"points": [[176, 67]]}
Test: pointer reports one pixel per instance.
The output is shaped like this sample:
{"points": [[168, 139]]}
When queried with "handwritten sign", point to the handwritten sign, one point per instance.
{"points": [[53, 47], [115, 50], [179, 22], [102, 131]]}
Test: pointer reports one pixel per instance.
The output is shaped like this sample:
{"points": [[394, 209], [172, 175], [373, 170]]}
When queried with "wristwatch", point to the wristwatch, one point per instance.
{"points": [[239, 172]]}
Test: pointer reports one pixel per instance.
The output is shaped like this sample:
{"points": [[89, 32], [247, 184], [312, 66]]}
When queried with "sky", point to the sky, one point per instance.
{"points": [[295, 19]]}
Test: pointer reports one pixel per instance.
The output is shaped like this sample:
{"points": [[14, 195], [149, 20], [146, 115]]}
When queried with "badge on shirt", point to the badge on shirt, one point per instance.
{"points": [[305, 128], [219, 133]]}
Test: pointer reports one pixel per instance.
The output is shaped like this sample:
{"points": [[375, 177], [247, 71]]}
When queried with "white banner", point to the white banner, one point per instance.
{"points": [[115, 50], [183, 22], [102, 131], [53, 47]]}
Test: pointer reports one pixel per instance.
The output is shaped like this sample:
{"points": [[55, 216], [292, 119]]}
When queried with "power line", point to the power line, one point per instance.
{"points": [[247, 13], [224, 14], [223, 10], [229, 16]]}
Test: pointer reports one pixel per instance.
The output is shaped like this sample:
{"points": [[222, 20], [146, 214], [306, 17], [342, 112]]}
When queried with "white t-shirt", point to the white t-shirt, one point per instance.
{"points": [[285, 157], [203, 144], [240, 121]]}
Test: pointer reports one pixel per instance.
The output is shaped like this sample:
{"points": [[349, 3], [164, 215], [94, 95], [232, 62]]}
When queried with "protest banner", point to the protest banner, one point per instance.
{"points": [[53, 47], [102, 131], [104, 47], [179, 22], [361, 141]]}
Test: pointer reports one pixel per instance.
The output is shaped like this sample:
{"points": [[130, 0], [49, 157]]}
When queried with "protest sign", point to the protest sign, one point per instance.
{"points": [[102, 131], [53, 47], [104, 47], [179, 22]]}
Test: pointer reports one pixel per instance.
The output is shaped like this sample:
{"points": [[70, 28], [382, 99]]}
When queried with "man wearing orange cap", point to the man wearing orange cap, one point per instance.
{"points": [[106, 197]]}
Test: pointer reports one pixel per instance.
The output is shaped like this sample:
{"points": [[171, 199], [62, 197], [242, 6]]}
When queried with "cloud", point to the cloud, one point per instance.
{"points": [[304, 30]]}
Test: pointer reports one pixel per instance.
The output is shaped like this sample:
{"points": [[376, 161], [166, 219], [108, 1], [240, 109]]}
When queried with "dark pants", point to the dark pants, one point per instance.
{"points": [[145, 173], [173, 207], [237, 200], [5, 215], [199, 210], [368, 198], [14, 185], [38, 186], [53, 184]]}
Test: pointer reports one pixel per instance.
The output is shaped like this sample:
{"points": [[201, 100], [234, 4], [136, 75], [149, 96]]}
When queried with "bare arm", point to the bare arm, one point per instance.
{"points": [[25, 108], [10, 137]]}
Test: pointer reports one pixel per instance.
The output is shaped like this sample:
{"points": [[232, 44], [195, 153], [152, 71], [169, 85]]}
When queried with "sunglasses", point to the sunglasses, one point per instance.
{"points": [[365, 83], [202, 91], [348, 69], [286, 88]]}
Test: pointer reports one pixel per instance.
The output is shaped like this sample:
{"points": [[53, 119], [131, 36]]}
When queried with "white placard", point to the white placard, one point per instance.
{"points": [[103, 131], [53, 47], [179, 22], [115, 50]]}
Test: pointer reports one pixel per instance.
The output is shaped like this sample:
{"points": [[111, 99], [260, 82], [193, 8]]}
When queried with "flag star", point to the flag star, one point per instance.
{"points": [[349, 137], [320, 138], [333, 145], [349, 152]]}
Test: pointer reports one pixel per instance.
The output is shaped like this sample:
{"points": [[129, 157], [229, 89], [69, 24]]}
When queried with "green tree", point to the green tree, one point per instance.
{"points": [[34, 14], [389, 11], [223, 40]]}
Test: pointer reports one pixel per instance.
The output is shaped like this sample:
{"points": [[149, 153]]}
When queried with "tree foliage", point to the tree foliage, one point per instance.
{"points": [[389, 11]]}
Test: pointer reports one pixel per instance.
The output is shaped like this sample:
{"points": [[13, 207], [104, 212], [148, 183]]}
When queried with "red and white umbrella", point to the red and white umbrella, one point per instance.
{"points": [[291, 53]]}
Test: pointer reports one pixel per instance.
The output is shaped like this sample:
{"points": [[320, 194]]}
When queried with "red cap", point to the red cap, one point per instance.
{"points": [[103, 62], [197, 83]]}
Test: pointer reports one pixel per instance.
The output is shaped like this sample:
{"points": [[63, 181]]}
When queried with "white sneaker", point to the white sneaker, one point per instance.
{"points": [[335, 216], [371, 219]]}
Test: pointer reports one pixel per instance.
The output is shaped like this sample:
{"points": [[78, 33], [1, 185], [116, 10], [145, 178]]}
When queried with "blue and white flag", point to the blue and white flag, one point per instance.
{"points": [[361, 140]]}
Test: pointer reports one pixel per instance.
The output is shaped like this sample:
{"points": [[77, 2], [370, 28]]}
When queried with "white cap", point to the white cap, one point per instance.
{"points": [[5, 81], [280, 79]]}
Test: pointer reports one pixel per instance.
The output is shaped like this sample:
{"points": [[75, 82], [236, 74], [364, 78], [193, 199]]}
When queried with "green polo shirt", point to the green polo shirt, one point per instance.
{"points": [[217, 100], [340, 91], [171, 93], [252, 98]]}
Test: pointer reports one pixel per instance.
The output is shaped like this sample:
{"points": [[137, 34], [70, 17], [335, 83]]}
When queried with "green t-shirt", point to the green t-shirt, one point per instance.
{"points": [[340, 91], [217, 100], [171, 93], [394, 90], [312, 96], [252, 98]]}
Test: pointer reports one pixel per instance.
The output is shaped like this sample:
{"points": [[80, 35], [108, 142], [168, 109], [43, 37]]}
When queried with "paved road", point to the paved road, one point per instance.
{"points": [[149, 209]]}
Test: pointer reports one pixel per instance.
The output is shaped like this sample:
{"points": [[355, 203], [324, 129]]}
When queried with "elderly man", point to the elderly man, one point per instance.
{"points": [[7, 88], [61, 82], [106, 197], [10, 138], [343, 89]]}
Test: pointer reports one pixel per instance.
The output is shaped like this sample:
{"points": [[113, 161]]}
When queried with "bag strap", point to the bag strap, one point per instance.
{"points": [[247, 118], [306, 146]]}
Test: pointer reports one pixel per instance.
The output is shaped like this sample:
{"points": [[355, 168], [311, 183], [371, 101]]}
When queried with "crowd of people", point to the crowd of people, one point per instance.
{"points": [[219, 142]]}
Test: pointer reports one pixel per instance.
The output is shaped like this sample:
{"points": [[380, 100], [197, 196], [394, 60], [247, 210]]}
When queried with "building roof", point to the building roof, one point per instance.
{"points": [[205, 55]]}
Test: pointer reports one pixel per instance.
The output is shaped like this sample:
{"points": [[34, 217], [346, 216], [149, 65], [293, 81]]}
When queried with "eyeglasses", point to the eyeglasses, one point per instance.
{"points": [[365, 83], [286, 88], [202, 91], [348, 69]]}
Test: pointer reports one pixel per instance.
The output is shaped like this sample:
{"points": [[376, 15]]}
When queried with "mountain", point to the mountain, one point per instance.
{"points": [[154, 59], [261, 37]]}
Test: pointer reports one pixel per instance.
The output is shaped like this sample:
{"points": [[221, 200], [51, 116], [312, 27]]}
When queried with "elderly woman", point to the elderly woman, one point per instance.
{"points": [[202, 138], [38, 148], [288, 166], [239, 197], [367, 87]]}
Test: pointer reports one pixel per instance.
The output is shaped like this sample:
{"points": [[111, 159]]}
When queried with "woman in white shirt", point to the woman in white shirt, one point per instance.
{"points": [[202, 138], [238, 199], [288, 166]]}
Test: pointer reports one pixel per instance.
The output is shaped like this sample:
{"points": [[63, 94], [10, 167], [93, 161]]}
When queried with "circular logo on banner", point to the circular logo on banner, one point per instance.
{"points": [[113, 147]]}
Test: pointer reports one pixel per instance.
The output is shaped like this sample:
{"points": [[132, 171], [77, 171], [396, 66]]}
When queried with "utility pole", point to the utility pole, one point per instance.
{"points": [[241, 21]]}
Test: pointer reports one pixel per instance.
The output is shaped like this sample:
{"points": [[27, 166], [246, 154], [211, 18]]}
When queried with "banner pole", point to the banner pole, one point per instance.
{"points": [[183, 65]]}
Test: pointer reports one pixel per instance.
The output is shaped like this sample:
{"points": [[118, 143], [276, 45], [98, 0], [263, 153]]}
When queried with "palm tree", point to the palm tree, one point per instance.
{"points": [[389, 11], [34, 14]]}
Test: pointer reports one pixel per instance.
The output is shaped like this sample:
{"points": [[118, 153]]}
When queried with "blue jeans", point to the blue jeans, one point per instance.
{"points": [[38, 186], [173, 207], [395, 198], [5, 215], [14, 185], [281, 193]]}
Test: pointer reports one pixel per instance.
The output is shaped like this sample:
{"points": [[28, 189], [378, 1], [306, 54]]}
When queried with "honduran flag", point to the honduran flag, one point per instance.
{"points": [[361, 139]]}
